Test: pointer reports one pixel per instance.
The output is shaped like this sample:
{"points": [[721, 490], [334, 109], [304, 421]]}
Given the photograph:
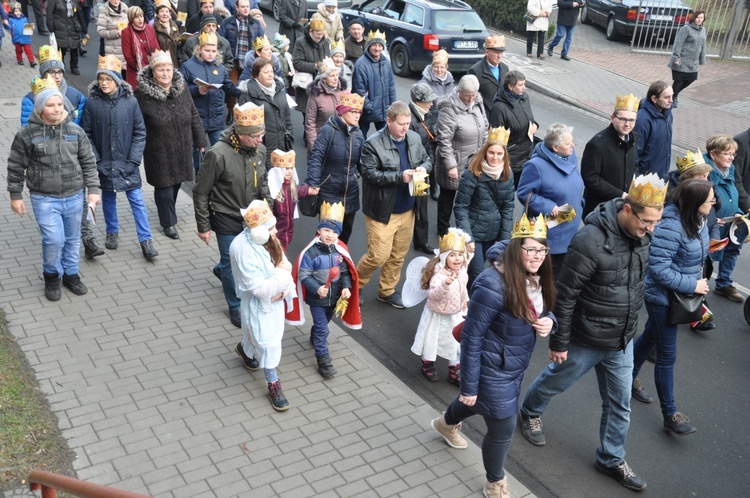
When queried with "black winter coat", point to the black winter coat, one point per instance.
{"points": [[278, 117], [306, 53], [567, 15], [486, 216], [290, 14], [600, 286], [67, 30], [332, 164], [607, 167], [488, 84], [515, 115], [742, 169], [118, 136], [173, 128]]}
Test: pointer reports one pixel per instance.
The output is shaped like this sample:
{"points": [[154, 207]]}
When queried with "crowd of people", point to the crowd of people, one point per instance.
{"points": [[598, 238]]}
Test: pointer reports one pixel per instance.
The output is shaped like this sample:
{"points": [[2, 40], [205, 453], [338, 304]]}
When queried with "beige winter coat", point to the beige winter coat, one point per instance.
{"points": [[106, 27], [334, 25]]}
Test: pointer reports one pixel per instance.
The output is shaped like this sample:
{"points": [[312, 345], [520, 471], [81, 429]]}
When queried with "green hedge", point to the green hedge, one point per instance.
{"points": [[502, 14]]}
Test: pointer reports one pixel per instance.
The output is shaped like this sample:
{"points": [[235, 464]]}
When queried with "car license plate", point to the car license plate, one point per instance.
{"points": [[466, 44], [661, 18]]}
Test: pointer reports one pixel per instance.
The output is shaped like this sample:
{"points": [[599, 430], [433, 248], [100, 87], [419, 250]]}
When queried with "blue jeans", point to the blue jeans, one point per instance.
{"points": [[614, 373], [225, 268], [660, 333], [476, 265], [567, 32], [213, 137], [727, 264], [140, 215], [59, 221], [321, 315]]}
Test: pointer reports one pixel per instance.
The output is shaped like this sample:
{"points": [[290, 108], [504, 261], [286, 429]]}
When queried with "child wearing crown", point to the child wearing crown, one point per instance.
{"points": [[21, 40], [326, 279], [445, 277], [283, 183]]}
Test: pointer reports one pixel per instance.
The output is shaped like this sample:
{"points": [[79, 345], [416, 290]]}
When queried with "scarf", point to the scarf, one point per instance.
{"points": [[268, 90], [493, 172], [513, 96], [420, 112], [114, 11], [67, 104], [141, 46], [534, 291], [243, 37]]}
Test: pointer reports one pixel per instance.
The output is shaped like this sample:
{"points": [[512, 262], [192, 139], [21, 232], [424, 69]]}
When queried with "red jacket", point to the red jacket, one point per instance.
{"points": [[137, 47]]}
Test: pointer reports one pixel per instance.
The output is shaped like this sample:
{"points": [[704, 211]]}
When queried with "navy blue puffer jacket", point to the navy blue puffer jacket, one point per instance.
{"points": [[210, 106], [335, 172], [374, 81], [484, 207], [495, 346]]}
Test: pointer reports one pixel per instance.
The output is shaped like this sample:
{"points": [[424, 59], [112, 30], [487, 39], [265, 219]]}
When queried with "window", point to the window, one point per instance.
{"points": [[458, 20], [413, 15]]}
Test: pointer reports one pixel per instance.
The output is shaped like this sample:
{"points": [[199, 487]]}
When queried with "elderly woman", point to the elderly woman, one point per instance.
{"points": [[65, 20], [512, 110], [338, 56], [167, 31], [423, 121], [138, 43], [541, 9], [264, 89], [551, 179], [113, 18], [332, 163], [309, 52], [437, 76], [173, 128], [721, 150], [688, 53], [484, 201], [324, 95], [461, 130], [328, 12]]}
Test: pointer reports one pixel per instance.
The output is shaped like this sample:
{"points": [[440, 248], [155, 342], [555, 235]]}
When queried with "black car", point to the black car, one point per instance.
{"points": [[653, 18], [415, 29]]}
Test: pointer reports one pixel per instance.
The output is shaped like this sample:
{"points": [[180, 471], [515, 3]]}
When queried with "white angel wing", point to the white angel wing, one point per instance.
{"points": [[413, 293]]}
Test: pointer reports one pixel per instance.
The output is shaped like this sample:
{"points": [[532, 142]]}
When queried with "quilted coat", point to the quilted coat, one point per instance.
{"points": [[374, 81], [478, 213], [106, 27], [321, 105], [67, 30]]}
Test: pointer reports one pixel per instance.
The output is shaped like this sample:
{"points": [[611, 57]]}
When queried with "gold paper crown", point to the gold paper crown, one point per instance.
{"points": [[454, 240], [39, 84], [333, 211], [46, 53], [338, 45], [440, 57], [326, 65], [16, 5], [498, 136], [159, 3], [261, 42], [208, 39], [627, 103], [648, 191], [248, 114], [159, 57], [375, 35], [257, 213], [317, 25], [496, 42], [691, 159], [281, 159], [524, 228], [353, 100], [110, 63]]}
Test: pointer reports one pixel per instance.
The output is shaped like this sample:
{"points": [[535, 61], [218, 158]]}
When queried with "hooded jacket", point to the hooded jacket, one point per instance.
{"points": [[106, 28], [321, 105], [211, 106], [654, 131], [278, 116], [552, 181], [229, 180], [440, 87], [496, 346], [115, 127], [173, 129], [374, 80], [516, 115], [53, 160], [74, 103], [484, 207], [600, 286], [314, 269], [333, 22]]}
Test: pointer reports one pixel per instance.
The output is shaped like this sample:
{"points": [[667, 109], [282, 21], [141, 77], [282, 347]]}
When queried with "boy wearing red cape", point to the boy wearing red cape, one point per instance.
{"points": [[326, 279]]}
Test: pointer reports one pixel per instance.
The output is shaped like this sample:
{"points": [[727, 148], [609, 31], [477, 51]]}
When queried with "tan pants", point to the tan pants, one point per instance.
{"points": [[387, 246]]}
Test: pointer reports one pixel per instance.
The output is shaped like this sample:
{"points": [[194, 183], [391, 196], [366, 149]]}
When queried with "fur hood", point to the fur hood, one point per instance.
{"points": [[315, 88], [147, 85], [96, 93]]}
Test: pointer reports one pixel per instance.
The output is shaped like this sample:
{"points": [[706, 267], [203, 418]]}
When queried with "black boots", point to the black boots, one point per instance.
{"points": [[52, 286], [73, 282], [276, 395], [325, 366], [91, 249], [149, 251]]}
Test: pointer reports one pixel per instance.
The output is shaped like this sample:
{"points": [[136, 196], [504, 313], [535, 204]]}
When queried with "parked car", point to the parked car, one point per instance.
{"points": [[312, 6], [654, 18], [414, 29]]}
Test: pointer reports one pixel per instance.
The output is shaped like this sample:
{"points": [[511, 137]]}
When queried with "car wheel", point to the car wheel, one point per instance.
{"points": [[611, 31], [275, 10], [400, 61], [585, 19]]}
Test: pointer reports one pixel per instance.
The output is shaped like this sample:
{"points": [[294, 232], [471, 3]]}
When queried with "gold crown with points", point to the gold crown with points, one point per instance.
{"points": [[338, 45], [208, 39], [159, 57], [159, 3], [525, 228], [257, 213], [334, 212], [317, 25], [109, 63], [47, 53], [648, 191], [281, 159], [39, 84], [495, 42], [353, 100], [261, 42], [498, 136], [440, 57], [376, 35], [627, 103], [327, 65], [691, 159], [455, 240]]}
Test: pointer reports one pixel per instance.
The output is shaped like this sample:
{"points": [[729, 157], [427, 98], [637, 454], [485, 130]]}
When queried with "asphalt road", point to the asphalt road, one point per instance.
{"points": [[712, 374]]}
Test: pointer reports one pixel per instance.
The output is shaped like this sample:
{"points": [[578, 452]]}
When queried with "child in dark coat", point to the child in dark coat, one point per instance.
{"points": [[283, 184]]}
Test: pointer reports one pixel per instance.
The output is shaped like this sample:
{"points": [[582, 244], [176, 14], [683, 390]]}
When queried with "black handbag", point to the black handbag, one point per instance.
{"points": [[309, 205], [685, 308]]}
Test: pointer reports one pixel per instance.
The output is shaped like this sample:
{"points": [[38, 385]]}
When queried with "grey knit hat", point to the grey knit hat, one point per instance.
{"points": [[421, 92]]}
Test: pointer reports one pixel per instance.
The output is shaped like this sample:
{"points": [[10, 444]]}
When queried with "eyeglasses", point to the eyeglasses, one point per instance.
{"points": [[105, 79], [55, 72], [625, 120], [257, 136], [728, 154], [647, 223], [533, 251]]}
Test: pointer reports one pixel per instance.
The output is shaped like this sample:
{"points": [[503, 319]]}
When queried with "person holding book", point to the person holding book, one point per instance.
{"points": [[21, 30]]}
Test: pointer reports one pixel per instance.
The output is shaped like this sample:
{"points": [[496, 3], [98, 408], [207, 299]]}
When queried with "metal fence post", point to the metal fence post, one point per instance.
{"points": [[731, 37]]}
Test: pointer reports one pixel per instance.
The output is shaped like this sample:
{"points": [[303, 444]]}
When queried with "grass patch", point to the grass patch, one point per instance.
{"points": [[29, 435]]}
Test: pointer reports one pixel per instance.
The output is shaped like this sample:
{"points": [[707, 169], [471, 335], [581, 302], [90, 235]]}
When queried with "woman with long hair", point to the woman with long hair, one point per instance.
{"points": [[688, 53], [511, 304], [678, 248]]}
